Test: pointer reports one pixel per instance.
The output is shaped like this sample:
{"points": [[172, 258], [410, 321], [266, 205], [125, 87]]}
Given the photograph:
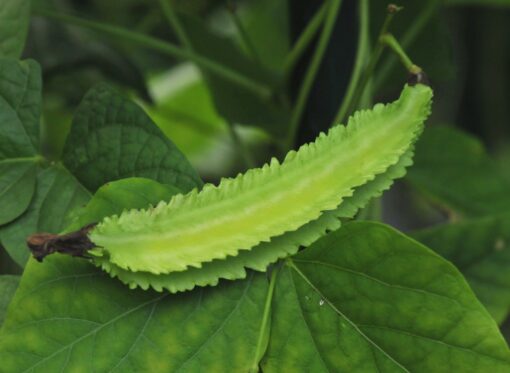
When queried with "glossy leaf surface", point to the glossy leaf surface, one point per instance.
{"points": [[367, 298]]}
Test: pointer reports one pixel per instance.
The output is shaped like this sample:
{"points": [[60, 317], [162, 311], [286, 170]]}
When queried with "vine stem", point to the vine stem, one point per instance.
{"points": [[329, 23], [304, 40], [359, 63], [175, 24], [390, 41], [351, 101], [241, 148], [409, 37], [34, 159], [159, 45], [264, 329], [245, 38]]}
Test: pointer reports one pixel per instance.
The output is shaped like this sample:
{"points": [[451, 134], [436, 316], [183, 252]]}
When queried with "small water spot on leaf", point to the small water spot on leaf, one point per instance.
{"points": [[500, 244], [321, 302], [307, 297]]}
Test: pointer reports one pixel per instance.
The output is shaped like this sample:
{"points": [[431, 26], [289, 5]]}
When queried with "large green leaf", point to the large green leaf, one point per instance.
{"points": [[20, 107], [112, 138], [14, 18], [453, 169], [8, 285], [367, 298], [69, 316], [481, 250], [57, 192]]}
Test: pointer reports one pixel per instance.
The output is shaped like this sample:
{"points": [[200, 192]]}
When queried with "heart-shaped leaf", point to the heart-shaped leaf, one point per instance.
{"points": [[367, 298]]}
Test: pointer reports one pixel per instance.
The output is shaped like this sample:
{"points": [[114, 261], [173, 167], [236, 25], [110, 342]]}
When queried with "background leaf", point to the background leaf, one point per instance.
{"points": [[480, 249], [57, 192], [8, 285], [66, 309], [266, 23], [454, 170], [183, 109], [367, 298], [111, 138], [479, 2], [116, 196], [236, 104], [14, 18], [20, 108], [20, 101], [17, 186]]}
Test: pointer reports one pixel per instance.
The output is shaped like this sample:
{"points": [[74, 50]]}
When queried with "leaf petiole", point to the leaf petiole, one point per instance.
{"points": [[304, 39], [263, 339], [333, 10]]}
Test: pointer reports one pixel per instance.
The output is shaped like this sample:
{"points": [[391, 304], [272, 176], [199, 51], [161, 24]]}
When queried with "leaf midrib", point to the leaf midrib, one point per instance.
{"points": [[291, 264]]}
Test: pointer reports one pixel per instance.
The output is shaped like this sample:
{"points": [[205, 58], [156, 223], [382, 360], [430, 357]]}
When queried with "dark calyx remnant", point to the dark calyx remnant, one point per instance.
{"points": [[418, 77], [75, 243]]}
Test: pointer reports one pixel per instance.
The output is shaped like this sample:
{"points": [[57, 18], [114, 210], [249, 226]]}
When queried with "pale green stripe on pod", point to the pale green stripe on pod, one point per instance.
{"points": [[241, 213]]}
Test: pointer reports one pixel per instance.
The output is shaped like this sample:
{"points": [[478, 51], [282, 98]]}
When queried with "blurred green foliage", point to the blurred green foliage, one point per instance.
{"points": [[226, 94]]}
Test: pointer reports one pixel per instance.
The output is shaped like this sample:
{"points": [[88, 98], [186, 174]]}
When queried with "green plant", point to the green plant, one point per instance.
{"points": [[266, 271]]}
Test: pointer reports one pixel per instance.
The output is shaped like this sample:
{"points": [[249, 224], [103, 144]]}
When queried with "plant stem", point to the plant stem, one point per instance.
{"points": [[332, 14], [390, 41], [359, 63], [241, 148], [174, 22], [242, 32], [264, 327], [409, 37], [354, 98], [150, 42], [34, 159], [304, 39]]}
